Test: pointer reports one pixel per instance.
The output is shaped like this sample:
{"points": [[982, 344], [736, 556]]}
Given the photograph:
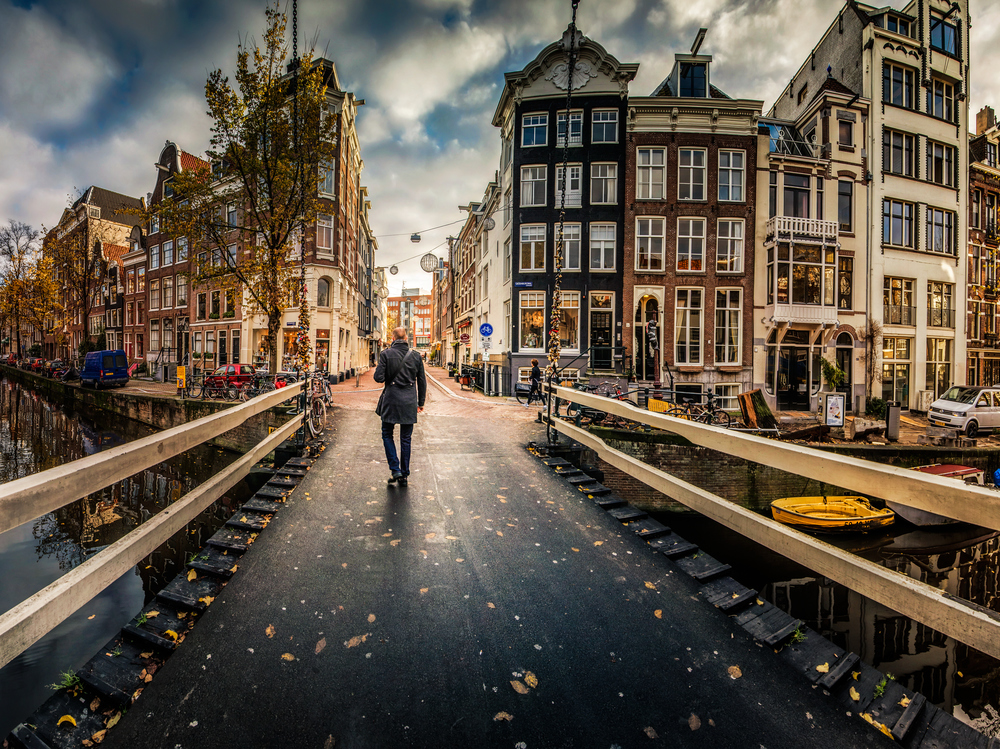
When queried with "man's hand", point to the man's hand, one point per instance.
{"points": [[420, 409]]}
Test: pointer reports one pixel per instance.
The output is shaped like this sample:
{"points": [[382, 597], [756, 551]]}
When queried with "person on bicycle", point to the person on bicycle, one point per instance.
{"points": [[535, 378]]}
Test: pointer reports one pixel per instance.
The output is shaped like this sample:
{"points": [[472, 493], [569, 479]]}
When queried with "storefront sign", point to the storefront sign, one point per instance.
{"points": [[464, 338], [524, 284], [835, 409]]}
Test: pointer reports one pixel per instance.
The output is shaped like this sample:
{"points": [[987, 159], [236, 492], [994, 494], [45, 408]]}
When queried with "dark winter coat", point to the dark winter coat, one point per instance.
{"points": [[400, 398]]}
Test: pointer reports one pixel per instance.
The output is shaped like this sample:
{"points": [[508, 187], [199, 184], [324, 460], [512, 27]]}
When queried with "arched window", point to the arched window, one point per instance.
{"points": [[323, 293]]}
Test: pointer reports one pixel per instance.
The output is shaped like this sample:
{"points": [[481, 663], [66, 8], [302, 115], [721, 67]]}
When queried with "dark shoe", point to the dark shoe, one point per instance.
{"points": [[396, 476], [401, 481]]}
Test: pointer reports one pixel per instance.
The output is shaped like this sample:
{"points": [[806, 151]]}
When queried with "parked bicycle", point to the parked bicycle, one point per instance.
{"points": [[703, 413], [259, 385]]}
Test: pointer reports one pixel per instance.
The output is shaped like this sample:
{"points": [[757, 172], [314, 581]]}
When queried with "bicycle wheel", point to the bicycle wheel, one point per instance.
{"points": [[521, 395], [247, 392], [720, 418], [231, 393], [678, 413], [317, 416]]}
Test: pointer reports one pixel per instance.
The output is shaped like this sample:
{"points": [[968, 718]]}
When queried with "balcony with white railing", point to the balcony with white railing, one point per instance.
{"points": [[802, 314], [784, 228]]}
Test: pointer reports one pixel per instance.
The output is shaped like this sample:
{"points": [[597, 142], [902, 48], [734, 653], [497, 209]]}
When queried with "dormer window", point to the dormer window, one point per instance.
{"points": [[898, 25], [694, 80], [168, 190], [94, 211], [943, 35]]}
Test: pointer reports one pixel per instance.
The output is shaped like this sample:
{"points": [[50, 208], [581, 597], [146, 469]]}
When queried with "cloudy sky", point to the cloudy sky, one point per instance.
{"points": [[91, 89]]}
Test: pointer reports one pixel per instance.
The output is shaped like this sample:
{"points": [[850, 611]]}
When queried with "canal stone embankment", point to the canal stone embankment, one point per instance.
{"points": [[160, 411]]}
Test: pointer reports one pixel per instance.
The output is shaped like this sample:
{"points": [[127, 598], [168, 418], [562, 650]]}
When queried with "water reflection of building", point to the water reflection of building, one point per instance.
{"points": [[921, 658]]}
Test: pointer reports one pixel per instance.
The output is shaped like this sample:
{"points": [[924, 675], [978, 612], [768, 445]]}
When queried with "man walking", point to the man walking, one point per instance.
{"points": [[403, 396]]}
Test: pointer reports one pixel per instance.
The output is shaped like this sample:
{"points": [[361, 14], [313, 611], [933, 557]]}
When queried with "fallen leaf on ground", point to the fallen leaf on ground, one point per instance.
{"points": [[269, 631], [171, 634], [459, 559], [735, 672], [71, 720], [423, 590], [429, 536], [95, 704], [207, 600], [287, 657], [650, 585], [152, 614], [386, 535], [904, 702], [490, 605], [855, 694], [518, 687], [598, 543], [574, 548], [501, 496], [356, 640], [503, 716], [823, 668], [694, 722], [530, 679], [371, 618], [113, 720], [394, 542], [855, 675], [91, 617], [192, 575], [500, 533], [452, 538], [181, 614], [651, 732], [98, 737], [320, 645], [147, 654]]}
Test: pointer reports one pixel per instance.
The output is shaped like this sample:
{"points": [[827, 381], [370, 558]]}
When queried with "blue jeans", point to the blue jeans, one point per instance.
{"points": [[399, 464]]}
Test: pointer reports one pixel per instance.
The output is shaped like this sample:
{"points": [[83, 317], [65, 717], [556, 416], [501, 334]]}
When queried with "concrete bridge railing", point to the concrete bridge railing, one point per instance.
{"points": [[27, 498], [963, 620]]}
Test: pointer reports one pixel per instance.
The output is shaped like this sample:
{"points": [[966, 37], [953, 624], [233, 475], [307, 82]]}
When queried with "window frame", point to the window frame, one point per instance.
{"points": [[574, 197], [650, 169], [907, 152], [946, 161], [907, 223], [569, 230], [661, 236], [575, 117], [687, 244], [534, 297], [599, 246], [722, 343], [948, 228], [324, 231], [908, 92], [594, 122], [534, 182], [687, 342], [941, 100], [608, 182], [729, 170], [541, 126], [729, 239], [847, 227], [939, 26], [534, 248], [692, 171]]}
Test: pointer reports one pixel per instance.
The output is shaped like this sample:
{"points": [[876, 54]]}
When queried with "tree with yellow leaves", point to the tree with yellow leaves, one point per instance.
{"points": [[271, 138], [27, 289]]}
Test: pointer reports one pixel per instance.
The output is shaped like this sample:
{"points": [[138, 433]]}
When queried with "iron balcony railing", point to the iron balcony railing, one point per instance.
{"points": [[940, 318], [894, 314]]}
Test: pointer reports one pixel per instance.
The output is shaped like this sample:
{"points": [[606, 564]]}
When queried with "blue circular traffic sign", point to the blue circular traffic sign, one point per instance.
{"points": [[485, 329]]}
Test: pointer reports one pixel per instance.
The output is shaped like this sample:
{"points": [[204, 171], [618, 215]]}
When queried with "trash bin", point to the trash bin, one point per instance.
{"points": [[892, 420]]}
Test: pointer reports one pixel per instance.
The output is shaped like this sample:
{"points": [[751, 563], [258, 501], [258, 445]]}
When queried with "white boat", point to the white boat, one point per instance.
{"points": [[923, 518]]}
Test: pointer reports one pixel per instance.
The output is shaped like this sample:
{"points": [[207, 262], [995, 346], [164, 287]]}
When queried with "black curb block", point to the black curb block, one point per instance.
{"points": [[114, 678], [904, 715]]}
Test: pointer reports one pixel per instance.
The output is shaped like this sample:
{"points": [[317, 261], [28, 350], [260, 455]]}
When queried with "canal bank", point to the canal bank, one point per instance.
{"points": [[159, 410]]}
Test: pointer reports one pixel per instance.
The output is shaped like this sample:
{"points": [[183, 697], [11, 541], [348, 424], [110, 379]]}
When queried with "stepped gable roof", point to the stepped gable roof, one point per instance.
{"points": [[114, 206]]}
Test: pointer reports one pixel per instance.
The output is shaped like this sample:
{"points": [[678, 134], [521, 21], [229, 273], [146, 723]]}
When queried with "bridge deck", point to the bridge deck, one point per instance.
{"points": [[367, 616]]}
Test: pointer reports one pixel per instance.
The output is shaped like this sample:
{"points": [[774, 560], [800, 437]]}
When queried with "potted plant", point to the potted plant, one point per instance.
{"points": [[213, 316]]}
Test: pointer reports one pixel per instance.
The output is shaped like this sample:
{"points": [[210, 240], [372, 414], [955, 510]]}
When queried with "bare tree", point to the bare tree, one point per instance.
{"points": [[871, 334]]}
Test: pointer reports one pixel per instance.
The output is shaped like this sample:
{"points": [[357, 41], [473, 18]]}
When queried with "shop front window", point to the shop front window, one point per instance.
{"points": [[532, 320]]}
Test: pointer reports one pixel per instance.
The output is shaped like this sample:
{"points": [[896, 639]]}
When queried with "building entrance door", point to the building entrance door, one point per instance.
{"points": [[647, 339], [600, 340]]}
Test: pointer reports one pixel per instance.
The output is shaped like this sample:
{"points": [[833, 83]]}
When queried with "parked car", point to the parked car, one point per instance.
{"points": [[11, 360], [968, 409], [108, 367], [52, 366], [235, 375]]}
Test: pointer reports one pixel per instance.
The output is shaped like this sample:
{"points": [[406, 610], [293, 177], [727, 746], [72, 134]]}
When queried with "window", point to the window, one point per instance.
{"points": [[533, 185], [571, 247], [772, 194], [569, 320], [154, 257], [154, 335], [605, 126], [649, 239], [691, 174], [897, 153], [154, 225], [897, 301], [604, 183], [729, 253], [943, 35], [846, 131], [506, 321], [897, 223], [940, 307], [896, 368], [182, 249], [508, 200], [690, 243], [727, 396], [897, 86], [820, 182], [976, 198], [991, 155], [168, 292], [694, 79], [154, 294], [796, 195], [130, 313], [803, 93], [532, 320], [940, 164], [231, 255], [202, 298], [602, 246], [533, 129], [168, 253], [506, 259], [650, 173], [140, 312], [728, 319], [216, 305], [231, 215], [324, 231], [941, 100], [687, 326], [230, 303], [801, 274], [938, 365], [845, 282], [182, 291], [731, 175], [130, 282], [326, 179], [574, 190], [575, 129], [845, 205], [533, 247], [940, 230], [323, 293], [899, 25]]}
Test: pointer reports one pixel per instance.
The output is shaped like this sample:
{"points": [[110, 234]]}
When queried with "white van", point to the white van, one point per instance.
{"points": [[968, 409]]}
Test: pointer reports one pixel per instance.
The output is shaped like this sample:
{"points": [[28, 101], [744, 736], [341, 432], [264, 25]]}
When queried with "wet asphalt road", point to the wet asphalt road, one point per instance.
{"points": [[487, 604]]}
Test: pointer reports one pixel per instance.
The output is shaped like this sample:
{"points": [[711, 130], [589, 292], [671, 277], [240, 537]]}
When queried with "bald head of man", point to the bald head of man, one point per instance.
{"points": [[399, 334]]}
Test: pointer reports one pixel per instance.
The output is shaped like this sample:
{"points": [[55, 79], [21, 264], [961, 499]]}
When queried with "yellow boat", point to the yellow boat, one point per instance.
{"points": [[830, 514]]}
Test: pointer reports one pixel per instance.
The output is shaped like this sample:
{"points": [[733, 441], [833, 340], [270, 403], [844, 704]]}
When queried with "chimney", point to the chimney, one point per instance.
{"points": [[985, 119]]}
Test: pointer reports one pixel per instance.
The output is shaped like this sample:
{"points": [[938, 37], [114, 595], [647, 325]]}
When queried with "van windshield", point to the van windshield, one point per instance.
{"points": [[960, 394]]}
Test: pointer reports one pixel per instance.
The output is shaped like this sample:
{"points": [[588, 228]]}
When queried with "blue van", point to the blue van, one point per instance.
{"points": [[108, 367]]}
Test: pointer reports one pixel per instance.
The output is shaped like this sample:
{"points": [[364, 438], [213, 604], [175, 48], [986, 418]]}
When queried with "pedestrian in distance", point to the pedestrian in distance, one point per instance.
{"points": [[403, 395], [535, 378]]}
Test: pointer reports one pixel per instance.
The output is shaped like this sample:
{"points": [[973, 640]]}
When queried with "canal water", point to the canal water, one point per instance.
{"points": [[36, 434], [962, 560]]}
